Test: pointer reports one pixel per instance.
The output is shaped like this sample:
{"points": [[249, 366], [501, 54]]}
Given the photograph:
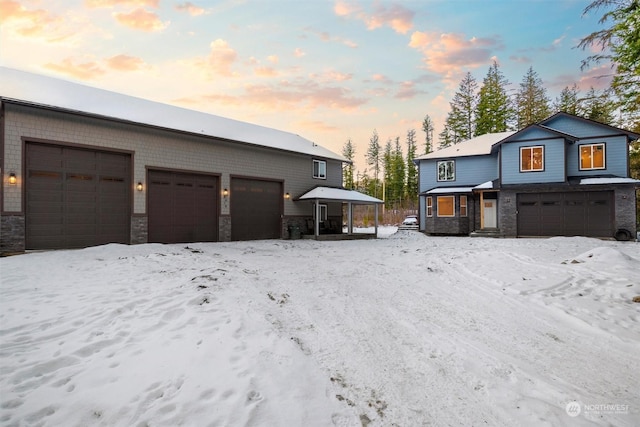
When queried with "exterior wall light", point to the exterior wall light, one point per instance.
{"points": [[13, 180], [139, 186], [225, 192], [287, 196]]}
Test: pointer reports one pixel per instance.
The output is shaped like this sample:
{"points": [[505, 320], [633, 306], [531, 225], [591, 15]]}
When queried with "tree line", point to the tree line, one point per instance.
{"points": [[493, 107]]}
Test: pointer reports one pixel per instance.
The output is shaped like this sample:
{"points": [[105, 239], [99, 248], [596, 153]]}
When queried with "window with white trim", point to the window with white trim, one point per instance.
{"points": [[463, 205], [532, 159], [446, 170], [592, 156], [446, 206], [320, 169], [429, 206]]}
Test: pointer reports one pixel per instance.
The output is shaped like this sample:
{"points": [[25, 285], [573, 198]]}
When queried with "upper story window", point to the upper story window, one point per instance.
{"points": [[447, 170], [592, 156], [531, 159], [320, 169]]}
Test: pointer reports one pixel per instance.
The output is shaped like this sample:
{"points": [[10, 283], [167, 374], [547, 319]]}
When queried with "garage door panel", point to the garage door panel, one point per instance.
{"points": [[256, 209], [64, 204], [565, 214], [178, 211]]}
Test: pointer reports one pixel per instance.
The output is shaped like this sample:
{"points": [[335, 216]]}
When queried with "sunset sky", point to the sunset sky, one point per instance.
{"points": [[326, 70]]}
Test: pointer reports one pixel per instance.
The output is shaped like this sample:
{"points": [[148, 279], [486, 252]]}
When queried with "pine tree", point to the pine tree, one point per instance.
{"points": [[349, 152], [427, 127], [532, 103], [446, 136], [387, 162], [461, 118], [598, 106], [494, 112], [373, 159], [568, 100], [397, 175], [412, 170]]}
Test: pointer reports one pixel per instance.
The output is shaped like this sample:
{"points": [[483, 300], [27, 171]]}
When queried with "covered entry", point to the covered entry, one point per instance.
{"points": [[256, 209], [577, 213], [76, 197], [182, 207]]}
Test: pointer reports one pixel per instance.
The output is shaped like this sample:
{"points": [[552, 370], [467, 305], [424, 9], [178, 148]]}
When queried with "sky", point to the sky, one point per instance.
{"points": [[330, 71]]}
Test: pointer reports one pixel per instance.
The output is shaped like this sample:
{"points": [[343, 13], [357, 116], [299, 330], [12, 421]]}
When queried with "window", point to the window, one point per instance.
{"points": [[446, 206], [592, 156], [531, 159], [463, 205], [320, 169], [447, 170], [323, 213], [429, 206]]}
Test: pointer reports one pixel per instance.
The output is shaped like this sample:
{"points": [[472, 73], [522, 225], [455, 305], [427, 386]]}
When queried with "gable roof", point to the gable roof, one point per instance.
{"points": [[631, 135], [480, 145], [25, 88], [516, 135], [338, 194]]}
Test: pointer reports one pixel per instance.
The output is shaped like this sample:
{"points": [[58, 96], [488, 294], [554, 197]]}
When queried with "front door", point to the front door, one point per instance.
{"points": [[490, 213]]}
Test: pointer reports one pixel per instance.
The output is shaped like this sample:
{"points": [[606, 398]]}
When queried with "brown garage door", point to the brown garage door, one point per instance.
{"points": [[587, 213], [182, 207], [76, 198], [256, 209]]}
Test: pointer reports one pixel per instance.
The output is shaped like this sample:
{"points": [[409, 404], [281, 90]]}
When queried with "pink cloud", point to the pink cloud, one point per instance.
{"points": [[140, 19], [82, 71], [113, 3], [220, 60], [287, 96], [265, 72], [190, 8], [298, 53], [396, 16], [449, 53], [125, 63], [33, 23]]}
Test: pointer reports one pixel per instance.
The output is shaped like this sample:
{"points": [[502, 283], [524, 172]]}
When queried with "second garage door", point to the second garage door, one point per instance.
{"points": [[584, 213], [182, 207], [256, 209]]}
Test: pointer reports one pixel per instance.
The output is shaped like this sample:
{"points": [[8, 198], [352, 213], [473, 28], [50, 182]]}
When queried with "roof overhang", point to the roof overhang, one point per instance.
{"points": [[449, 190], [329, 194], [611, 180]]}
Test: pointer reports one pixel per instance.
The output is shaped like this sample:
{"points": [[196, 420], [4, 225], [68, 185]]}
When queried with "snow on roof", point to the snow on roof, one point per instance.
{"points": [[479, 145], [448, 190], [44, 91], [484, 186], [611, 180], [338, 194]]}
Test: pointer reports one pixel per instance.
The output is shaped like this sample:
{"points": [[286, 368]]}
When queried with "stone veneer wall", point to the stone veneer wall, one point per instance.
{"points": [[12, 231]]}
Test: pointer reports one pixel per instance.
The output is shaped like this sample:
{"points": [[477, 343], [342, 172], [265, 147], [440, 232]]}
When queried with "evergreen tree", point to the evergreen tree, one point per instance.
{"points": [[412, 170], [532, 103], [494, 112], [427, 127], [387, 161], [568, 101], [396, 194], [620, 44], [446, 136], [349, 152], [461, 118], [599, 106], [374, 160]]}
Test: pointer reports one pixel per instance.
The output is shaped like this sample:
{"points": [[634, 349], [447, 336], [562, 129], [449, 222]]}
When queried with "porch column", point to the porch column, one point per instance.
{"points": [[481, 210], [316, 225], [376, 220], [349, 218]]}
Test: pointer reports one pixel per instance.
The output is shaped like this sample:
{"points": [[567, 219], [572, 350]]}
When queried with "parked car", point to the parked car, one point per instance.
{"points": [[410, 220]]}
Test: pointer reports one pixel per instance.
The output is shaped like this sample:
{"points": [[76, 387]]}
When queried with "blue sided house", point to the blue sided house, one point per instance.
{"points": [[563, 176]]}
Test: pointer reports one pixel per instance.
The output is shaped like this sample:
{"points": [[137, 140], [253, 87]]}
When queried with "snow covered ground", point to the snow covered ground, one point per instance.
{"points": [[406, 330]]}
